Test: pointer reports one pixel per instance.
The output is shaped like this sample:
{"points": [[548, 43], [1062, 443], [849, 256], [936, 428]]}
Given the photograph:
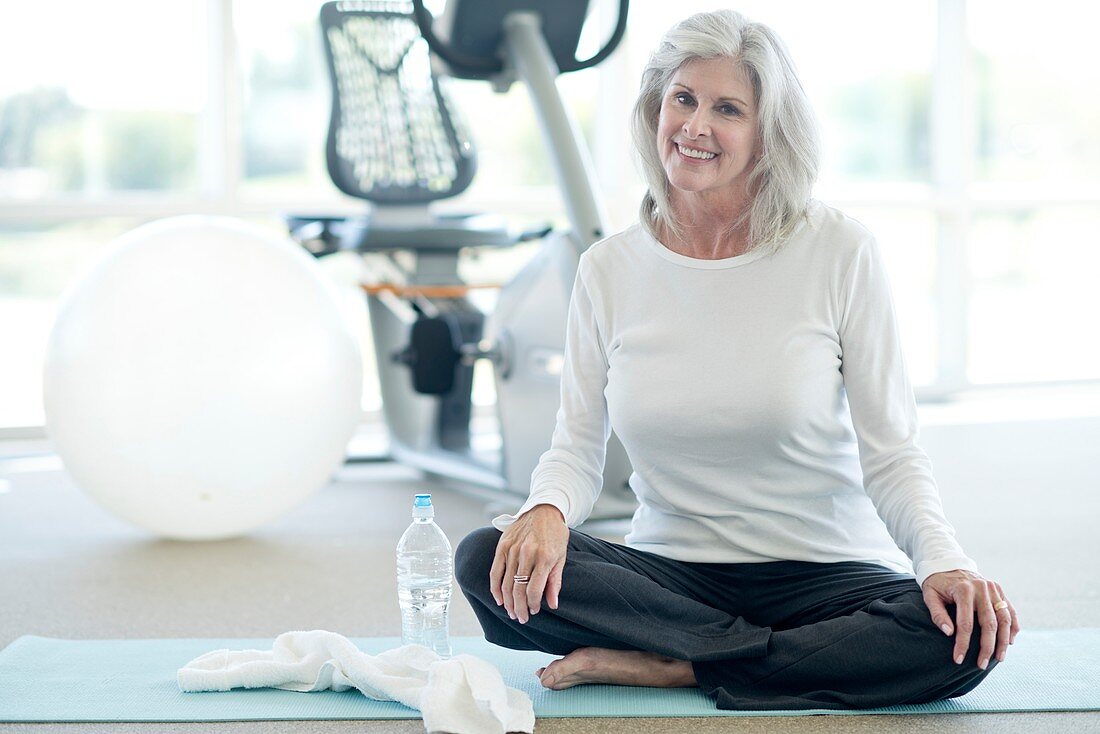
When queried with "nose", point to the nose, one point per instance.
{"points": [[696, 124]]}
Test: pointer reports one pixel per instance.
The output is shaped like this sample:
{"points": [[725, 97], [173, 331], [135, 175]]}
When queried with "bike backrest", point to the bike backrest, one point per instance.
{"points": [[394, 136]]}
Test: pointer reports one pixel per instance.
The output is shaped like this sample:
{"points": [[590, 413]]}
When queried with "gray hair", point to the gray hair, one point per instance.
{"points": [[784, 175]]}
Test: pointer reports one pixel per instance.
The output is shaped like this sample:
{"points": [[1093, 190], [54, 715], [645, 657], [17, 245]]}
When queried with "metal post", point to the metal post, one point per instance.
{"points": [[573, 167]]}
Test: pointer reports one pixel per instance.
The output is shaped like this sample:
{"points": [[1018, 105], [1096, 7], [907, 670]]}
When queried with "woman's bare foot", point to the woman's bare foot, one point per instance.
{"points": [[617, 667]]}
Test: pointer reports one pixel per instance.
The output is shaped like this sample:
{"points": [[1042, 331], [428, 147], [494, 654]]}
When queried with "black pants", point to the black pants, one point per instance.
{"points": [[760, 636]]}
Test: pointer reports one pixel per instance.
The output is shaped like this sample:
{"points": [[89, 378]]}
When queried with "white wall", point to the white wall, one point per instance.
{"points": [[1023, 492]]}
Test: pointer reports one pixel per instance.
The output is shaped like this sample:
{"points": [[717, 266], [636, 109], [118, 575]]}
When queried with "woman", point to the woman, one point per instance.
{"points": [[789, 549]]}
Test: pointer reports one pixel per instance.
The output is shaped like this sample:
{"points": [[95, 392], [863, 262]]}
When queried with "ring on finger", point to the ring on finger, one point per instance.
{"points": [[521, 579], [1000, 605]]}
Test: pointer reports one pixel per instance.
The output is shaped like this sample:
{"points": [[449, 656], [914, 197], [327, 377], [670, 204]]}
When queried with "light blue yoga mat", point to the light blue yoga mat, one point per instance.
{"points": [[43, 679]]}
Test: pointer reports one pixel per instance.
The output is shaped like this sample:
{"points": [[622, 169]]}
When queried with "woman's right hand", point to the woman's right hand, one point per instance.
{"points": [[533, 546]]}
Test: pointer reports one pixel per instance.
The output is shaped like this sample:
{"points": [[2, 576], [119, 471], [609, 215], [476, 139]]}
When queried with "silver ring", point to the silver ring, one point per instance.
{"points": [[521, 579]]}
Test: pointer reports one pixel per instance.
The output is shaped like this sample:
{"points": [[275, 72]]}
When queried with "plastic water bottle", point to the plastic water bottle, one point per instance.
{"points": [[424, 571]]}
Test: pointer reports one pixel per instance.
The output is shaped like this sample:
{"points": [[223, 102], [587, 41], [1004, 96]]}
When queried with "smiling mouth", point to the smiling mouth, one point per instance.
{"points": [[699, 155]]}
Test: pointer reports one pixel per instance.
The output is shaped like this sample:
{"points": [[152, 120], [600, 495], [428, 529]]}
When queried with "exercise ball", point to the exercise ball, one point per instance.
{"points": [[201, 379]]}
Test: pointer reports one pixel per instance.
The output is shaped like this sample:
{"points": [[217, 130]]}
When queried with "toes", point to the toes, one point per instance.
{"points": [[547, 678], [551, 674]]}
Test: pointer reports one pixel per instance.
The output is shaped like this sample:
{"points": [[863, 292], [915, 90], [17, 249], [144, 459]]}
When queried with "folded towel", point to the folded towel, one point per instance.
{"points": [[461, 695]]}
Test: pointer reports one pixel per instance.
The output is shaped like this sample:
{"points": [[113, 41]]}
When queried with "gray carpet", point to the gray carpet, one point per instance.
{"points": [[69, 569]]}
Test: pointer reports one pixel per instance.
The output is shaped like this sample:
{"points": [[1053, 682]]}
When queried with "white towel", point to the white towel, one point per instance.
{"points": [[460, 695]]}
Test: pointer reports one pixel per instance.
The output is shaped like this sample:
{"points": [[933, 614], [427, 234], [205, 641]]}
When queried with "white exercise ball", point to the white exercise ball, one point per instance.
{"points": [[201, 379]]}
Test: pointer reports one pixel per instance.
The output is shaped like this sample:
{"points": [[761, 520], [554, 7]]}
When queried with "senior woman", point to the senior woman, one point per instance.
{"points": [[789, 549]]}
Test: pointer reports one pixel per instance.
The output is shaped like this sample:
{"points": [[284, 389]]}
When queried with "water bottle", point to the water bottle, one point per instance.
{"points": [[424, 571]]}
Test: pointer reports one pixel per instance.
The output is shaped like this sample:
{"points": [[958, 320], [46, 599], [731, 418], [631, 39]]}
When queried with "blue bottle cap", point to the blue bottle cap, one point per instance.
{"points": [[422, 500]]}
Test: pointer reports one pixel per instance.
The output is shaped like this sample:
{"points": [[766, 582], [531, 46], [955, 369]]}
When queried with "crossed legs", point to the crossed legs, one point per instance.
{"points": [[752, 636]]}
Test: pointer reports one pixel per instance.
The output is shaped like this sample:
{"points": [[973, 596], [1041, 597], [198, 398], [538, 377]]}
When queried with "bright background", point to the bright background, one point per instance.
{"points": [[962, 132]]}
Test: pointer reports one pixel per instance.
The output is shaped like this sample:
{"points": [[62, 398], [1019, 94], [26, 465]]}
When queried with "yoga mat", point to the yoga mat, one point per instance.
{"points": [[44, 679]]}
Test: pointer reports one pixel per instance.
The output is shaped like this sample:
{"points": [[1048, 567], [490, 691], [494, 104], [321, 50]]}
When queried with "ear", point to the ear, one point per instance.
{"points": [[758, 148]]}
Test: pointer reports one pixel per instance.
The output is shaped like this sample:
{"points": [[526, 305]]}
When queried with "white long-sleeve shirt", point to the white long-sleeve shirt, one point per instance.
{"points": [[762, 400]]}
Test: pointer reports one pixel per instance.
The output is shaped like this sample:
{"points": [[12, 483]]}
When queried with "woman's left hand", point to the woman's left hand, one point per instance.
{"points": [[972, 595]]}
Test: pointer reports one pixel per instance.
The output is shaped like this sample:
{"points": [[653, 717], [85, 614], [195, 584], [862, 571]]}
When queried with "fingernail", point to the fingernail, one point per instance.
{"points": [[983, 664], [958, 659], [946, 629], [523, 621], [511, 616]]}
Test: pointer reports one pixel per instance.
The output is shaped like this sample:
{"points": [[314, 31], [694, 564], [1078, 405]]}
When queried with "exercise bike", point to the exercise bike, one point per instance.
{"points": [[396, 140]]}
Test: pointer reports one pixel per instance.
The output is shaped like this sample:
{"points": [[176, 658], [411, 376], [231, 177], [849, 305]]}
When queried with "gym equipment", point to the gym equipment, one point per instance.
{"points": [[200, 379], [396, 140]]}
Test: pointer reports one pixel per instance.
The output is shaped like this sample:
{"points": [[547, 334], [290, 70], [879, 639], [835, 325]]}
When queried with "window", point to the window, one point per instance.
{"points": [[116, 109], [1034, 301], [284, 97], [958, 131]]}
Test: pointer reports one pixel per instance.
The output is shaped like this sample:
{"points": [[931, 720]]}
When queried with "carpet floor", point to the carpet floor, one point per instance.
{"points": [[69, 569]]}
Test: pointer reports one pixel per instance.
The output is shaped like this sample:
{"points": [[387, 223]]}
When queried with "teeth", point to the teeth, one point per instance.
{"points": [[700, 154]]}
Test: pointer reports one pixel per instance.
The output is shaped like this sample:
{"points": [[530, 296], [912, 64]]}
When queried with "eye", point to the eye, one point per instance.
{"points": [[728, 109], [683, 98]]}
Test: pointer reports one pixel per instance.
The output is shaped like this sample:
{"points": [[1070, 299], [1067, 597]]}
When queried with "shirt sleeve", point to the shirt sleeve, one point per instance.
{"points": [[569, 475], [897, 474]]}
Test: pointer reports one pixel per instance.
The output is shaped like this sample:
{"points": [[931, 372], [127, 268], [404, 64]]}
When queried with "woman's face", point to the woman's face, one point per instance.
{"points": [[706, 133]]}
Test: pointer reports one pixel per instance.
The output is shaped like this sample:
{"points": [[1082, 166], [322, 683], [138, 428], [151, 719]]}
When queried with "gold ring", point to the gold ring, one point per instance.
{"points": [[1000, 605]]}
